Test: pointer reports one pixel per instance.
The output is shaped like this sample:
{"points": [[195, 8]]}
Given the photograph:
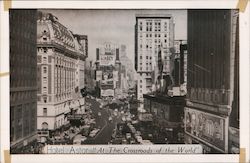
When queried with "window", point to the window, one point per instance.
{"points": [[44, 111], [44, 69], [45, 99], [140, 86], [140, 57], [140, 28], [146, 57], [140, 81]]}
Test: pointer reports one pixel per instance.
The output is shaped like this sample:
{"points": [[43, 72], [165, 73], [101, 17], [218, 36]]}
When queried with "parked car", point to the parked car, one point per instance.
{"points": [[128, 135], [94, 132]]}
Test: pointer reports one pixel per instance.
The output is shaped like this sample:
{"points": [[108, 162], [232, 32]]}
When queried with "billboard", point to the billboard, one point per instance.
{"points": [[98, 75], [107, 92], [207, 128], [115, 75], [107, 60], [107, 78]]}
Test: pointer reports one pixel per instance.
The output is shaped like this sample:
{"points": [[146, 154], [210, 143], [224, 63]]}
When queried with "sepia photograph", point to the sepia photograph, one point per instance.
{"points": [[124, 78]]}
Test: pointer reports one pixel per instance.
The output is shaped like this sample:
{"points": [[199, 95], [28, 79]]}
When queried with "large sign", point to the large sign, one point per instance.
{"points": [[98, 75], [106, 60], [107, 78], [107, 92], [115, 75], [146, 117], [207, 128], [75, 117]]}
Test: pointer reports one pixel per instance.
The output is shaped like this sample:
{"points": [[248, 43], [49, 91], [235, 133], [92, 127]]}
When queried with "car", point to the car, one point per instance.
{"points": [[83, 138], [99, 113], [94, 132], [146, 142], [110, 118], [139, 139], [128, 135], [77, 142]]}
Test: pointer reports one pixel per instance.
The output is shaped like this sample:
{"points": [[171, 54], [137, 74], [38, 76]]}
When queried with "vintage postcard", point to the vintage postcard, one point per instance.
{"points": [[153, 82]]}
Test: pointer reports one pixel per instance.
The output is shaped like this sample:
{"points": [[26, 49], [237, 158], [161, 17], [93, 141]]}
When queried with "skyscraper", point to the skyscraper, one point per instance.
{"points": [[23, 83], [153, 34]]}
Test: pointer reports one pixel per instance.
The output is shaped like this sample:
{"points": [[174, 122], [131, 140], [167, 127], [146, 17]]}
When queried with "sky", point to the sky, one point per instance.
{"points": [[115, 26]]}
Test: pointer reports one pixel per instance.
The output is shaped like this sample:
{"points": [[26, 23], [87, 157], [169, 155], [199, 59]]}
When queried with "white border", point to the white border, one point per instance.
{"points": [[170, 4]]}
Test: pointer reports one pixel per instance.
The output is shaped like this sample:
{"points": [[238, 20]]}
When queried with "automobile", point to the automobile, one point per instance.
{"points": [[83, 138], [110, 118], [124, 141], [128, 135], [94, 132], [57, 137], [99, 113], [135, 122], [139, 139], [115, 113], [146, 142], [77, 142], [122, 112]]}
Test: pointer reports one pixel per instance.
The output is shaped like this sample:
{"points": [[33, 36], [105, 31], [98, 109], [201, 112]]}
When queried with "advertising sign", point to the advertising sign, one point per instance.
{"points": [[106, 60], [107, 92], [208, 128], [98, 75], [75, 117], [115, 75], [145, 117], [107, 78]]}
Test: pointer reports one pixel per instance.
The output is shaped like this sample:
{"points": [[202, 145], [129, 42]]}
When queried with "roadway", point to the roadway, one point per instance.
{"points": [[106, 127]]}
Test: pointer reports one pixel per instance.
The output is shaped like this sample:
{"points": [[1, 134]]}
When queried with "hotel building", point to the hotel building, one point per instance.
{"points": [[60, 72]]}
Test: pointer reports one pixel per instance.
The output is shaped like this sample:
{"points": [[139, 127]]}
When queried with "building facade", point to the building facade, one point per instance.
{"points": [[60, 68], [90, 77], [153, 33], [125, 61], [108, 70], [212, 80], [23, 84]]}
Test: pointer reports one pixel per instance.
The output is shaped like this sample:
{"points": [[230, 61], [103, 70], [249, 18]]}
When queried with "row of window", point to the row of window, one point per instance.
{"points": [[22, 95]]}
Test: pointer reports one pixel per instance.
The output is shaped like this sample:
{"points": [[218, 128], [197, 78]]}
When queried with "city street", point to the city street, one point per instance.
{"points": [[106, 127]]}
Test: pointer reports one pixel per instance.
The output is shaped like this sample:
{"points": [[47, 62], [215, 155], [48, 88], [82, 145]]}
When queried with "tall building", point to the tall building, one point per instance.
{"points": [[212, 111], [23, 83], [60, 67], [108, 69], [130, 71], [153, 33], [90, 76]]}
